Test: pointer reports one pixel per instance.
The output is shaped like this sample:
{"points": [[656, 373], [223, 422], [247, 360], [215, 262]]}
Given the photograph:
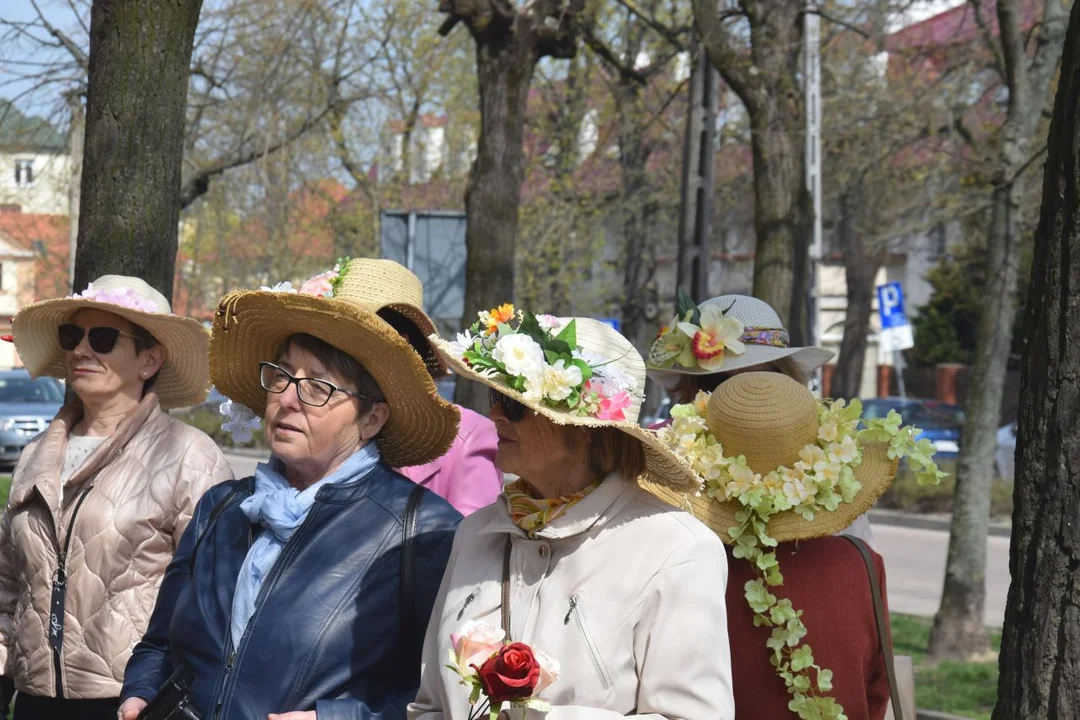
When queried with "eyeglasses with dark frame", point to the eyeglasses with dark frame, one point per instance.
{"points": [[512, 409], [102, 339], [311, 391]]}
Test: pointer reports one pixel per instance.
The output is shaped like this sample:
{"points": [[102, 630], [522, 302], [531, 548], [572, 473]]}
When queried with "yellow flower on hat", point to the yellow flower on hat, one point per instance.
{"points": [[718, 333]]}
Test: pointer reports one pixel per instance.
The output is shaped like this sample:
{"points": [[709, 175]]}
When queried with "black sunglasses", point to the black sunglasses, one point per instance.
{"points": [[312, 391], [102, 339], [512, 409]]}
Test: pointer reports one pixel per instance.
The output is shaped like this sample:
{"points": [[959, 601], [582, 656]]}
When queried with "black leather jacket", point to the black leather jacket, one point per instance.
{"points": [[326, 633]]}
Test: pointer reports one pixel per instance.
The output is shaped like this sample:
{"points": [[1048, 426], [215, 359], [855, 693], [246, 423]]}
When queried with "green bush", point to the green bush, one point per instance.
{"points": [[906, 493]]}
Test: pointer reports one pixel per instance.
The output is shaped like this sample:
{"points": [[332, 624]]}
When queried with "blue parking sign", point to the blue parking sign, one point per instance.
{"points": [[613, 322], [891, 306]]}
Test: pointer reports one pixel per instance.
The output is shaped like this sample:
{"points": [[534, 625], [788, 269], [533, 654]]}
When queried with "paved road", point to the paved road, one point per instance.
{"points": [[915, 570], [914, 562]]}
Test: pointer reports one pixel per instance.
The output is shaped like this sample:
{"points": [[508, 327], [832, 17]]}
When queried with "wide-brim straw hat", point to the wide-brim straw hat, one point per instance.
{"points": [[760, 320], [183, 379], [662, 466], [769, 418], [250, 327], [386, 285]]}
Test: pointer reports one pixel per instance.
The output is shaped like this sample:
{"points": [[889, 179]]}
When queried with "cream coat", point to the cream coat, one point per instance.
{"points": [[625, 592], [145, 479]]}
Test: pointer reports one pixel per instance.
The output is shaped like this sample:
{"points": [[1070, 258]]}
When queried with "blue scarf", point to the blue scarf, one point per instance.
{"points": [[280, 509]]}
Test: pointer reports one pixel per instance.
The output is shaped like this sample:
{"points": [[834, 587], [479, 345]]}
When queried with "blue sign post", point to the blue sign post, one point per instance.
{"points": [[613, 322], [896, 334], [891, 306]]}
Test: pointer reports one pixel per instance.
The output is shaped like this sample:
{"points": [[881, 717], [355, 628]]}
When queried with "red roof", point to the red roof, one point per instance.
{"points": [[958, 26]]}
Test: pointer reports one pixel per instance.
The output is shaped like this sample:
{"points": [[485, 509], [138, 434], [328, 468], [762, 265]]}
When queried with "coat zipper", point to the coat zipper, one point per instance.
{"points": [[56, 620], [230, 651], [594, 652], [267, 586]]}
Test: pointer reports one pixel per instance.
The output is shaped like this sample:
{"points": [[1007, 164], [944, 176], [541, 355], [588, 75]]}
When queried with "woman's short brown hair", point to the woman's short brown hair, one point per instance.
{"points": [[612, 450], [338, 362]]}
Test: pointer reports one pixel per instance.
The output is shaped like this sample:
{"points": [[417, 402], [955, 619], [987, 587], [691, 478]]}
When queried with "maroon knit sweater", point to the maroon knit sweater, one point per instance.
{"points": [[825, 578]]}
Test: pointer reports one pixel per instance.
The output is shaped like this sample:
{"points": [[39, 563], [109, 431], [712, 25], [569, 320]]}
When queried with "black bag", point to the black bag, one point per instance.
{"points": [[173, 701]]}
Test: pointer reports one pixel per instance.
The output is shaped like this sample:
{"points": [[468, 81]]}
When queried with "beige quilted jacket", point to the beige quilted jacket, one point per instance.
{"points": [[135, 495]]}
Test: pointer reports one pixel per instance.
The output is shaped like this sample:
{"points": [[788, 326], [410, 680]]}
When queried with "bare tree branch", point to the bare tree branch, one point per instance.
{"points": [[988, 38], [840, 23], [68, 44], [672, 35], [723, 52], [600, 48]]}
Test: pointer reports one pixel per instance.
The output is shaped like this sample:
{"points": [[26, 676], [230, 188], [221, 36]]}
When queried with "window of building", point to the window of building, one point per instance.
{"points": [[24, 173]]}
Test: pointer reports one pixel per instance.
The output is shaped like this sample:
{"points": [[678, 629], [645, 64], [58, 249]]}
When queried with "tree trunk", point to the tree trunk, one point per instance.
{"points": [[76, 135], [140, 52], [778, 186], [959, 630], [860, 269], [1040, 673], [504, 67], [636, 253]]}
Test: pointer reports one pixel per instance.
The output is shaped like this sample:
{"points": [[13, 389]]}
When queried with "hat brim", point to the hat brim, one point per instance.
{"points": [[663, 468], [184, 376], [807, 359], [250, 326], [875, 473], [434, 362]]}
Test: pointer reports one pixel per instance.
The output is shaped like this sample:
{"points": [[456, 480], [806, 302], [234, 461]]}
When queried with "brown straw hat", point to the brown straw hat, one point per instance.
{"points": [[250, 326], [183, 378], [663, 467], [387, 285], [769, 418]]}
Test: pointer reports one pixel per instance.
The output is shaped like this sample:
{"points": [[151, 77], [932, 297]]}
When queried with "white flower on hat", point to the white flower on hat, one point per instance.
{"points": [[520, 355], [464, 342], [281, 287], [240, 421], [558, 380]]}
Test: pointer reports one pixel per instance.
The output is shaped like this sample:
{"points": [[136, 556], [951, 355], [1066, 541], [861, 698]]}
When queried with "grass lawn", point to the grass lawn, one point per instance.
{"points": [[5, 486], [966, 689]]}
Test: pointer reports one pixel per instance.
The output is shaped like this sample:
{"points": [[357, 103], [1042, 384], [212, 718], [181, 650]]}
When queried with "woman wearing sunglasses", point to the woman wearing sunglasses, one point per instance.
{"points": [[623, 592], [100, 500], [303, 592]]}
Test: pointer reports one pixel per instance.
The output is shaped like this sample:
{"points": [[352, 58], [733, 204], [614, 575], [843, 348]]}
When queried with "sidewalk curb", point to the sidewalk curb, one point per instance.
{"points": [[922, 522], [262, 454], [934, 715]]}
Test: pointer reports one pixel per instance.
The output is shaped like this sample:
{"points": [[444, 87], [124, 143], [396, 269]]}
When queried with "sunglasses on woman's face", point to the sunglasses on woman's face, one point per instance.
{"points": [[102, 339], [512, 409]]}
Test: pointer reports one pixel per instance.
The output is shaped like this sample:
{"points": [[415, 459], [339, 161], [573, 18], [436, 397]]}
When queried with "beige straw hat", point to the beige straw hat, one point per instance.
{"points": [[385, 284], [764, 337], [769, 418], [250, 326], [601, 341], [183, 378]]}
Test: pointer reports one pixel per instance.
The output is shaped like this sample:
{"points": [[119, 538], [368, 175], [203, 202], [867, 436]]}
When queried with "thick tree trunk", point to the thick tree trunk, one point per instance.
{"points": [[504, 67], [860, 268], [636, 208], [1040, 652], [140, 52], [959, 630], [778, 210]]}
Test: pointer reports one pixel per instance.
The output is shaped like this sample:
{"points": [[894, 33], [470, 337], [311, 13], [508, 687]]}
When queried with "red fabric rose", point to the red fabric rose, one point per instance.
{"points": [[511, 675]]}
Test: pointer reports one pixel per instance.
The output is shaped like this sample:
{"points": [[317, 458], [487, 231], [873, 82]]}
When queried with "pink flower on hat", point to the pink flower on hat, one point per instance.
{"points": [[321, 285], [612, 408], [123, 297]]}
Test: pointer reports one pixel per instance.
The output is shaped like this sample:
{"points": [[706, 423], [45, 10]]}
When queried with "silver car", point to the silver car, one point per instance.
{"points": [[27, 406]]}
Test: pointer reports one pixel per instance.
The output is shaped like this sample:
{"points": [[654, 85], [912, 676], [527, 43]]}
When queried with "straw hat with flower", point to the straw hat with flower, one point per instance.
{"points": [[573, 371], [725, 333], [250, 326], [776, 465], [182, 380]]}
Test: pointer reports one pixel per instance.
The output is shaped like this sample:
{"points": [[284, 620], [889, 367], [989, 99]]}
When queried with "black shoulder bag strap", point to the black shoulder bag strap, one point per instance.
{"points": [[879, 620], [408, 564], [221, 507]]}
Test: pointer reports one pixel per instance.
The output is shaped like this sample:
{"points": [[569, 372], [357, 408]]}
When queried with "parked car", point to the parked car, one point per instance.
{"points": [[940, 422], [27, 406], [1005, 456]]}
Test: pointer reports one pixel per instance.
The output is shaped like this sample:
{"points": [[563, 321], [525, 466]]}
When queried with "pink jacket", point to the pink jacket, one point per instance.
{"points": [[466, 475]]}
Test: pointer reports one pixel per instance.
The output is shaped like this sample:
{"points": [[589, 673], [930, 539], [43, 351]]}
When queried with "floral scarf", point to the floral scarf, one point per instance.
{"points": [[532, 514]]}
